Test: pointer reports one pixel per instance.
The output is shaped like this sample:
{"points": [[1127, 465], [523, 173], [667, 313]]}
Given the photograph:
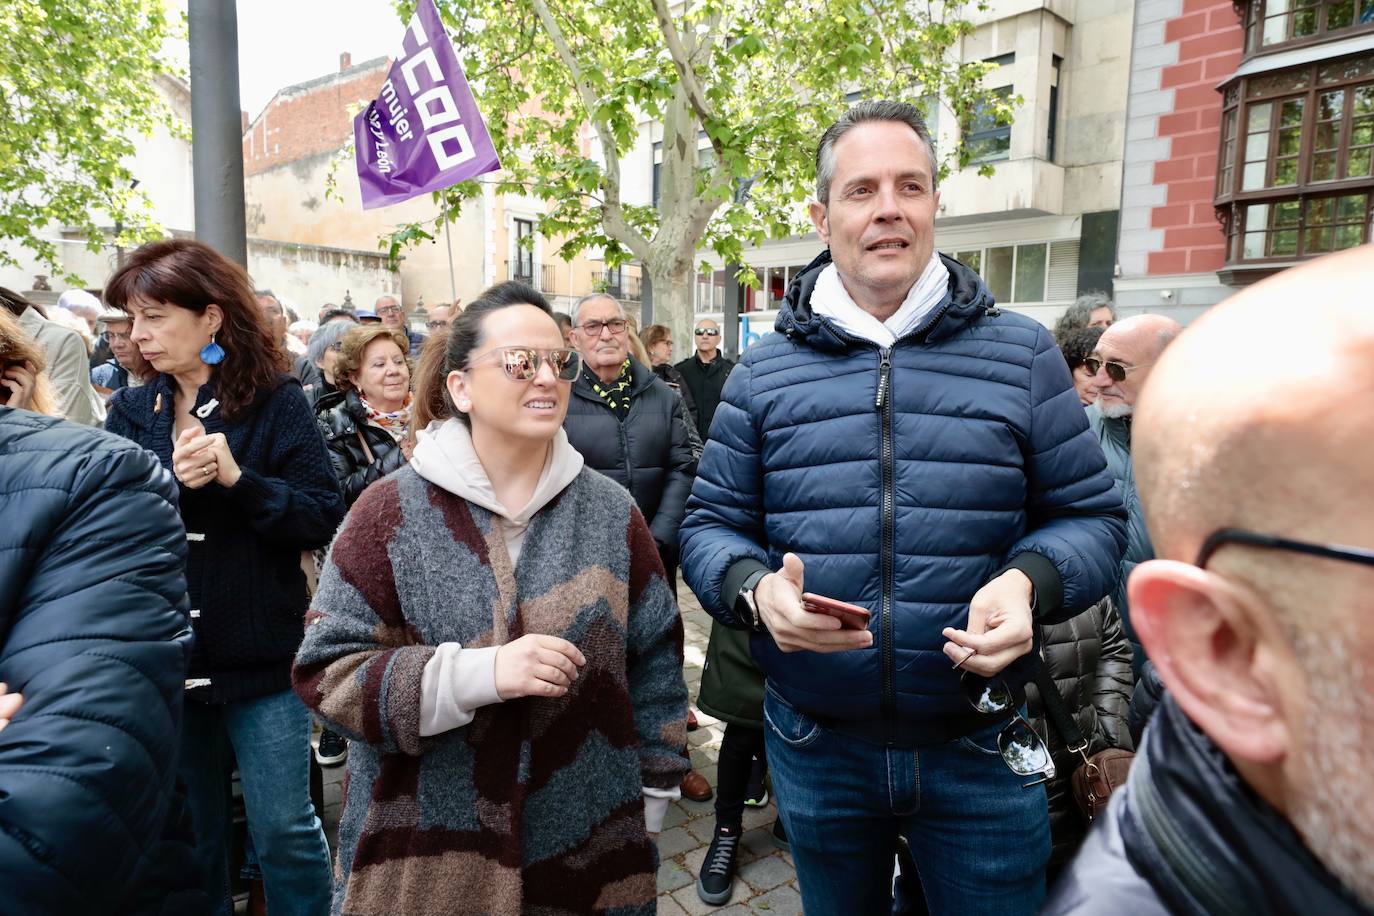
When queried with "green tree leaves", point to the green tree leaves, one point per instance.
{"points": [[741, 88], [77, 84]]}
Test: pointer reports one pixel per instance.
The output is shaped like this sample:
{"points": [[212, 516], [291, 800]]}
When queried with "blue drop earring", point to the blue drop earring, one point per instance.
{"points": [[212, 354]]}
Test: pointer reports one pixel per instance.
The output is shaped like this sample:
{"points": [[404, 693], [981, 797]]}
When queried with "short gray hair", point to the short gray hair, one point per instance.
{"points": [[592, 297], [873, 110], [325, 336], [1080, 313]]}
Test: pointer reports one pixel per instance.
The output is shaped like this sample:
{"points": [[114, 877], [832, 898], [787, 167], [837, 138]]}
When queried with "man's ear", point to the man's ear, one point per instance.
{"points": [[821, 219], [1214, 648]]}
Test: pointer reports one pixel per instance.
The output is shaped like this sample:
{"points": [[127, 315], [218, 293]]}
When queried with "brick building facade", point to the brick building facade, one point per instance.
{"points": [[312, 118], [1250, 135]]}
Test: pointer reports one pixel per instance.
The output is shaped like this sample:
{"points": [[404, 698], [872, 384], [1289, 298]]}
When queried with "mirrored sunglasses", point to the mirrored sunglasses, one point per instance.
{"points": [[1115, 371], [706, 332], [1021, 747], [522, 363]]}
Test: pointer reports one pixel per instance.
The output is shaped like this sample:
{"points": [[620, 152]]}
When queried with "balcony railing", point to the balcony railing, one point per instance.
{"points": [[619, 284], [526, 272]]}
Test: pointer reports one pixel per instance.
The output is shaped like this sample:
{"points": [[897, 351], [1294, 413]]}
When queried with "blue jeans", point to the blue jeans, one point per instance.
{"points": [[270, 736], [980, 842]]}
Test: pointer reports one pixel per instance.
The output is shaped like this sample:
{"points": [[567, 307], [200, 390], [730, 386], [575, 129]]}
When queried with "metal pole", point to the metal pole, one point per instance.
{"points": [[448, 243], [734, 305], [217, 128]]}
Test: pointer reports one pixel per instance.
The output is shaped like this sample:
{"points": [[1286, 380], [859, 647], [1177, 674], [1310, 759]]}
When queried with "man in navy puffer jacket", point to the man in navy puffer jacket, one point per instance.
{"points": [[94, 635], [904, 445]]}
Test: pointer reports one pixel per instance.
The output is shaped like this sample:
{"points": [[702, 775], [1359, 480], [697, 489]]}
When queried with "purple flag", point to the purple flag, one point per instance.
{"points": [[424, 131]]}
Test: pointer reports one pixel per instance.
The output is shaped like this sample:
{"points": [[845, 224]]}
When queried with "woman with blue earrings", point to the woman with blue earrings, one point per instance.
{"points": [[257, 488]]}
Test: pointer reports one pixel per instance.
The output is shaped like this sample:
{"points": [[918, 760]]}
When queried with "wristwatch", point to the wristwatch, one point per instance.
{"points": [[745, 605]]}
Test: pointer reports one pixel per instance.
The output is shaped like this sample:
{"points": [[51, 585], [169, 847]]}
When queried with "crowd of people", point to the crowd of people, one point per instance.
{"points": [[1006, 620]]}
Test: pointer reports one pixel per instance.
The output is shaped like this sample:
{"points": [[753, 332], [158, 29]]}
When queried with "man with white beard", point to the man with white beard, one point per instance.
{"points": [[1252, 792], [1120, 364]]}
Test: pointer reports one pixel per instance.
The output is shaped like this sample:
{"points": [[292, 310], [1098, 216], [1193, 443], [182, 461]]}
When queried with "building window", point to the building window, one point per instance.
{"points": [[1304, 126], [988, 140], [524, 250], [1055, 61], [1295, 172], [1026, 274], [1303, 227], [1270, 23]]}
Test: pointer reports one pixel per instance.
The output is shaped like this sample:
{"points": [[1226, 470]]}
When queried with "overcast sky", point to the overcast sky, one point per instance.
{"points": [[282, 42]]}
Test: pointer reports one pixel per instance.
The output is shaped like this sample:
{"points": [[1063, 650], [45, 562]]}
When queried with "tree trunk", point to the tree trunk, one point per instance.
{"points": [[672, 287]]}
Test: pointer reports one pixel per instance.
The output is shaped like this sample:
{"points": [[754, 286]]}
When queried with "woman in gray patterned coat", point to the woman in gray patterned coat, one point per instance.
{"points": [[494, 633]]}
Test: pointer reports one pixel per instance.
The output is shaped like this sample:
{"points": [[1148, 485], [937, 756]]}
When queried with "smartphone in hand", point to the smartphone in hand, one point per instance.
{"points": [[851, 616]]}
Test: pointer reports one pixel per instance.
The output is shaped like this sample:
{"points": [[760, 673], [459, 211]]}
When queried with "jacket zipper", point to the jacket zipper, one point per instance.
{"points": [[883, 403]]}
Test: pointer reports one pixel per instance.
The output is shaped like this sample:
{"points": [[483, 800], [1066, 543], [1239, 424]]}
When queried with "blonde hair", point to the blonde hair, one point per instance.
{"points": [[637, 349], [17, 348]]}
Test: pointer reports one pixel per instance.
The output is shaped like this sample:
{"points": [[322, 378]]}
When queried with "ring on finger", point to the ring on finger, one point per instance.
{"points": [[206, 470]]}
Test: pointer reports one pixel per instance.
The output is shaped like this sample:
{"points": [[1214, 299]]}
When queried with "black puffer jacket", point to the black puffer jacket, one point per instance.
{"points": [[342, 415], [1089, 658], [650, 453], [94, 632]]}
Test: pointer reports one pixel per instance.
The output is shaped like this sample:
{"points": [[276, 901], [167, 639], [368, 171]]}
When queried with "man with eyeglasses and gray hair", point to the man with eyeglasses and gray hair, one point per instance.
{"points": [[393, 315], [1120, 364], [629, 425], [900, 485], [1253, 791]]}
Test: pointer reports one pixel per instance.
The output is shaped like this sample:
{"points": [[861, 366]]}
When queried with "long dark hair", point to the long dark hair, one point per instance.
{"points": [[192, 275], [464, 336], [17, 303]]}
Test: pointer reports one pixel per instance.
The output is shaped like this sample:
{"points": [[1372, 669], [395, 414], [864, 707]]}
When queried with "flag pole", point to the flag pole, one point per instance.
{"points": [[448, 243]]}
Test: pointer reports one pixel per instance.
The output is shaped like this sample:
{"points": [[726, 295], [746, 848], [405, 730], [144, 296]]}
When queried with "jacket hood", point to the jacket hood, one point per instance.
{"points": [[444, 456], [968, 301]]}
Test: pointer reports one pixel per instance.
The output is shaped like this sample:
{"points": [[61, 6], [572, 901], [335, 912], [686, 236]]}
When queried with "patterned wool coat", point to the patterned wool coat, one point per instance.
{"points": [[536, 805]]}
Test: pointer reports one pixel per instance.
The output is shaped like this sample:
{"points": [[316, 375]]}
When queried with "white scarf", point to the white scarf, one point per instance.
{"points": [[831, 299]]}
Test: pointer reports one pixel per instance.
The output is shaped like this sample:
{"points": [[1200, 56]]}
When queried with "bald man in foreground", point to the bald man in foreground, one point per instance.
{"points": [[1253, 791]]}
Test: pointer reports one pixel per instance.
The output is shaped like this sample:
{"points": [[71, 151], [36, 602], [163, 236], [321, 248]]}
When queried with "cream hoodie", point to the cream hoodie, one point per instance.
{"points": [[457, 681]]}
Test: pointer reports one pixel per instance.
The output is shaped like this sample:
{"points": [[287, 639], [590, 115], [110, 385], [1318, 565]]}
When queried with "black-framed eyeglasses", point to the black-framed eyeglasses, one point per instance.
{"points": [[436, 325], [1223, 536], [522, 363], [594, 328], [1115, 371], [706, 332], [1022, 748]]}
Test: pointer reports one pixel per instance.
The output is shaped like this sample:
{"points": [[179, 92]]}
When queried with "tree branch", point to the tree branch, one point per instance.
{"points": [[685, 71], [614, 214]]}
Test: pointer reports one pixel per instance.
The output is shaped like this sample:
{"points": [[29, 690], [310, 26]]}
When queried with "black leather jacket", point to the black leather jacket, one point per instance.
{"points": [[342, 417], [1089, 658]]}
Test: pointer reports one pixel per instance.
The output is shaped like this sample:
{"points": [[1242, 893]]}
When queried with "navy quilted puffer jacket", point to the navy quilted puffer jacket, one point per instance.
{"points": [[94, 633], [905, 479]]}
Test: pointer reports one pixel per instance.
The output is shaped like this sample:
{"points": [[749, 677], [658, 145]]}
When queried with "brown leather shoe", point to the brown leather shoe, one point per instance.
{"points": [[695, 787], [692, 723], [257, 898]]}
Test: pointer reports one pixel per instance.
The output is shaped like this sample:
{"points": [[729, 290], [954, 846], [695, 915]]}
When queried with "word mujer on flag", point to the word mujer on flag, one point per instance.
{"points": [[423, 132]]}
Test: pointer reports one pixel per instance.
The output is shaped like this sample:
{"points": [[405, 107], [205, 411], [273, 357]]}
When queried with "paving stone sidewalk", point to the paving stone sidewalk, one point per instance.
{"points": [[766, 882]]}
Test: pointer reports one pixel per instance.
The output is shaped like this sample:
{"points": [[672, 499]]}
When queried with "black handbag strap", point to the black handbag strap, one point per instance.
{"points": [[1057, 710]]}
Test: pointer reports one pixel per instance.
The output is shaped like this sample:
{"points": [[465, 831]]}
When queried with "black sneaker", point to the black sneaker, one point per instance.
{"points": [[718, 868], [756, 793], [333, 749], [780, 836]]}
